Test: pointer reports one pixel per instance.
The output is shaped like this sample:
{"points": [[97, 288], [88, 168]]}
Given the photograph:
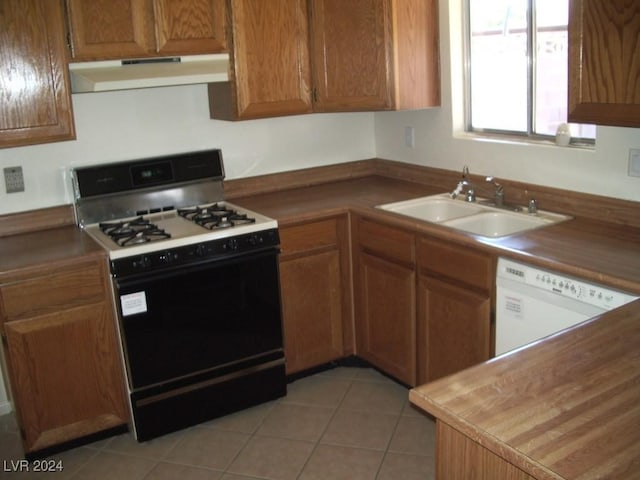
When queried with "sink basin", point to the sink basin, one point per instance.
{"points": [[497, 224], [478, 219], [433, 209]]}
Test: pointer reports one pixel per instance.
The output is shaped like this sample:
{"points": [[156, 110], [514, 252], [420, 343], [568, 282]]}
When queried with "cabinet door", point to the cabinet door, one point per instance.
{"points": [[111, 29], [352, 55], [66, 375], [271, 75], [604, 64], [189, 26], [386, 332], [35, 99], [312, 310], [453, 328]]}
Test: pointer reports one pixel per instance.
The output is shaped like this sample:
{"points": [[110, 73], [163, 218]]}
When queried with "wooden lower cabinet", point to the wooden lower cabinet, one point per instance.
{"points": [[386, 309], [454, 308], [62, 355], [453, 327], [422, 307], [458, 457], [385, 298], [316, 295]]}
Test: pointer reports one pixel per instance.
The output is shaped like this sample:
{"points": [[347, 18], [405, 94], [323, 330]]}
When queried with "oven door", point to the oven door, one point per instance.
{"points": [[201, 322]]}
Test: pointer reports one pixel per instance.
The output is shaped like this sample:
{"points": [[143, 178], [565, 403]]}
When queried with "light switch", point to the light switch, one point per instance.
{"points": [[634, 162], [409, 137]]}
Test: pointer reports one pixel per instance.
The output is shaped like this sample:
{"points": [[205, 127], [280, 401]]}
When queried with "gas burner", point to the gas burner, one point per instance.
{"points": [[227, 221], [133, 232], [146, 236], [124, 227], [205, 213], [215, 216]]}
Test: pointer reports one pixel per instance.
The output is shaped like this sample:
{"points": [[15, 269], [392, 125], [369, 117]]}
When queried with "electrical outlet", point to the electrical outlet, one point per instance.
{"points": [[409, 137], [13, 180], [634, 162]]}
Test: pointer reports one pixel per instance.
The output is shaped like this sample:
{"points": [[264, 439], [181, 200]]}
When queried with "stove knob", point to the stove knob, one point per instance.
{"points": [[201, 251], [142, 262], [165, 258], [232, 244]]}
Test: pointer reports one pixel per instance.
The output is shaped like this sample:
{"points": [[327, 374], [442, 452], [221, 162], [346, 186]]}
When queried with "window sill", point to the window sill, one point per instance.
{"points": [[518, 140]]}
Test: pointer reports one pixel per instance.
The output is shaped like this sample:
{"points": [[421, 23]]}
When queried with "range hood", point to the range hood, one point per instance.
{"points": [[146, 73]]}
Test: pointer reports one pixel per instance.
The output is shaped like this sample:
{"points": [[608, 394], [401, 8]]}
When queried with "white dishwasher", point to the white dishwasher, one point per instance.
{"points": [[532, 303]]}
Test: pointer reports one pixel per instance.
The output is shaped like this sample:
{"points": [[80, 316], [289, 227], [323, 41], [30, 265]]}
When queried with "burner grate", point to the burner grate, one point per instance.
{"points": [[133, 232], [215, 216]]}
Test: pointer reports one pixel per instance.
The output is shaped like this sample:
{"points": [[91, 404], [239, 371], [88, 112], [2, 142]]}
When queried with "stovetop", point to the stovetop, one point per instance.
{"points": [[175, 228]]}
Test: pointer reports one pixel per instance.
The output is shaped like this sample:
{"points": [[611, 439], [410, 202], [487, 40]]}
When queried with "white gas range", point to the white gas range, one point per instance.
{"points": [[196, 288]]}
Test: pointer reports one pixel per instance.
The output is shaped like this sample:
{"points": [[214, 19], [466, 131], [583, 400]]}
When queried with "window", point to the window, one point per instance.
{"points": [[517, 75]]}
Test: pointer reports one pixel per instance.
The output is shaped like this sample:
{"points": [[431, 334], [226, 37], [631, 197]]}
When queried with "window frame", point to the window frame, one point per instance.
{"points": [[498, 134]]}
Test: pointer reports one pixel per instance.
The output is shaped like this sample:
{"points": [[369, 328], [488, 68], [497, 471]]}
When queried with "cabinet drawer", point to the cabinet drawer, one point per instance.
{"points": [[456, 261], [68, 287], [386, 241], [309, 236]]}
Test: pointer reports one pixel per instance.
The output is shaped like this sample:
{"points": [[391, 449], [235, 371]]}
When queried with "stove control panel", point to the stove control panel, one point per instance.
{"points": [[212, 250]]}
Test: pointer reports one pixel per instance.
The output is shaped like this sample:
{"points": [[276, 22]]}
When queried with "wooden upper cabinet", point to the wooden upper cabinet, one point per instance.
{"points": [[190, 26], [374, 54], [604, 63], [352, 54], [270, 72], [35, 100], [115, 29], [110, 28], [300, 56]]}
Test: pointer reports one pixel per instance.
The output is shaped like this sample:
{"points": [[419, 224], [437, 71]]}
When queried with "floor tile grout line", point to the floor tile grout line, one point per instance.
{"points": [[335, 411], [338, 404], [95, 453], [386, 450]]}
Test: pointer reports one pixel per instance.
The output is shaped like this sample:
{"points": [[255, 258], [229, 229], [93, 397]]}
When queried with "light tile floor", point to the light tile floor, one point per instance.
{"points": [[346, 423]]}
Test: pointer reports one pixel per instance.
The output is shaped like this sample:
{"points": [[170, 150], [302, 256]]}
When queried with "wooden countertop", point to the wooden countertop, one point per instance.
{"points": [[600, 252], [30, 253], [567, 407]]}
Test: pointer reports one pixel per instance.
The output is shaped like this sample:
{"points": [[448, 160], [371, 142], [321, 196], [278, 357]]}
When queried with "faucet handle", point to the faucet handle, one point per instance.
{"points": [[490, 179], [533, 206]]}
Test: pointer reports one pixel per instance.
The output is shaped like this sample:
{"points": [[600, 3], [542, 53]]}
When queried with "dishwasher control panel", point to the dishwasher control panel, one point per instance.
{"points": [[566, 286]]}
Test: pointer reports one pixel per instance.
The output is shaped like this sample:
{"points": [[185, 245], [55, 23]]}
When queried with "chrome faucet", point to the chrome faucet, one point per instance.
{"points": [[470, 195], [499, 191]]}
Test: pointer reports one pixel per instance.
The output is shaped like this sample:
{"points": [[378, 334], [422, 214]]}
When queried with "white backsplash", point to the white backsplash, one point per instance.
{"points": [[125, 125]]}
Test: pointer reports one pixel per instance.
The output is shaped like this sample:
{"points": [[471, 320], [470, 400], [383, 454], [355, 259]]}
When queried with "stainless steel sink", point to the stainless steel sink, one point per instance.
{"points": [[478, 219]]}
